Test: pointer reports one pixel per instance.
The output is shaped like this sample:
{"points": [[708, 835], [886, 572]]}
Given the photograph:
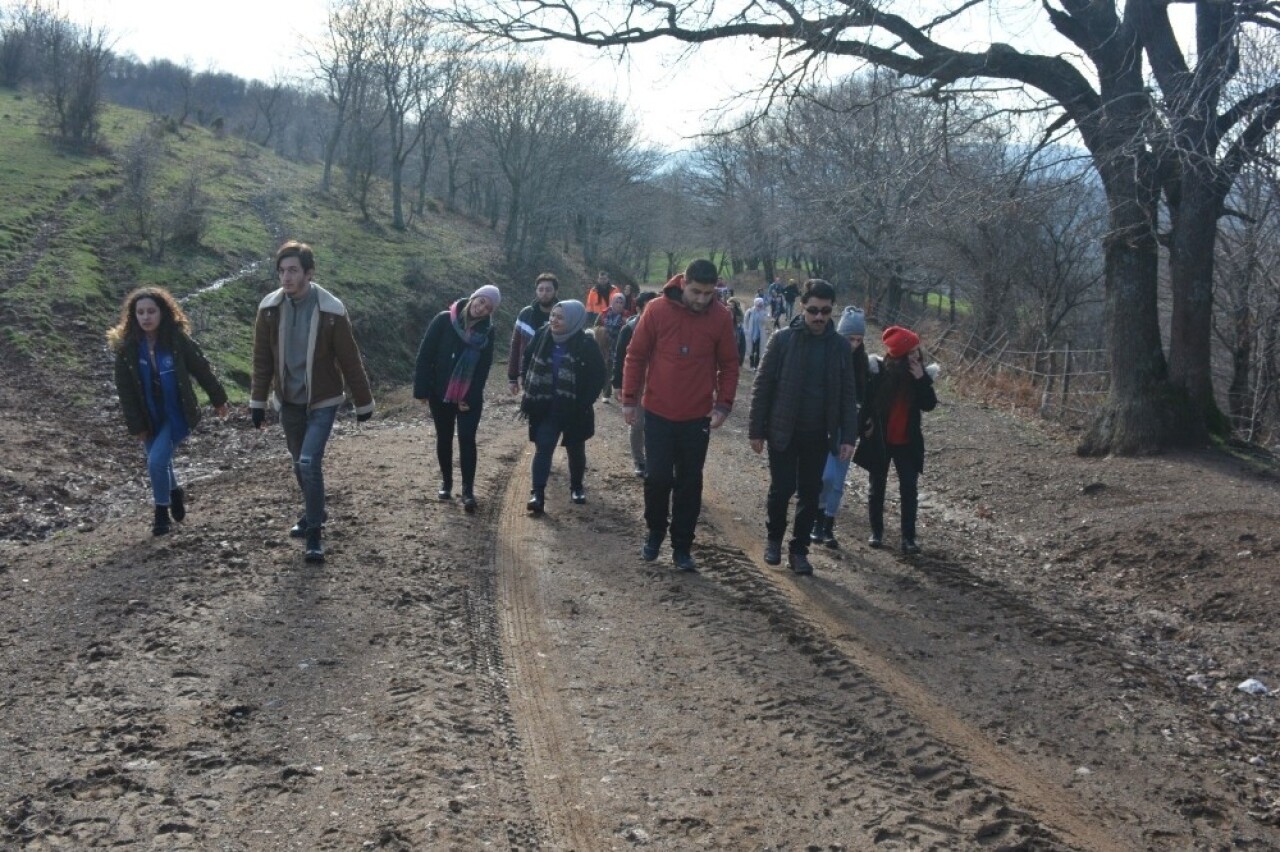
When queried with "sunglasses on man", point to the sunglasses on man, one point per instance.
{"points": [[814, 310]]}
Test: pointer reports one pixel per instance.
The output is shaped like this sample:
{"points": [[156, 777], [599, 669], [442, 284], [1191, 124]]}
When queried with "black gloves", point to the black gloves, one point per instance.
{"points": [[360, 418], [258, 415]]}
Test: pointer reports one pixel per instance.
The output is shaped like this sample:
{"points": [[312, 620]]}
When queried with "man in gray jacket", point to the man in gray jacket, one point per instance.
{"points": [[804, 406]]}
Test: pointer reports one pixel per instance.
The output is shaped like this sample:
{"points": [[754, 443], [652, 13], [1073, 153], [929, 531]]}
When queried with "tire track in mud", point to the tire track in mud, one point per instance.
{"points": [[542, 726], [1025, 797]]}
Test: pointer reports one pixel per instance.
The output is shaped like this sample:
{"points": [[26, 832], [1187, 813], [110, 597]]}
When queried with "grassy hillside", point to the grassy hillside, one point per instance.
{"points": [[67, 258]]}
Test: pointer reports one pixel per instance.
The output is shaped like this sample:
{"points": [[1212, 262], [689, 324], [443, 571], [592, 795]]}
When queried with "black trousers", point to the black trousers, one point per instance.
{"points": [[908, 490], [675, 452], [449, 418], [796, 469]]}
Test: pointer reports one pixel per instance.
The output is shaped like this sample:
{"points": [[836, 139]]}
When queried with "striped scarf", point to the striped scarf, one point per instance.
{"points": [[464, 369]]}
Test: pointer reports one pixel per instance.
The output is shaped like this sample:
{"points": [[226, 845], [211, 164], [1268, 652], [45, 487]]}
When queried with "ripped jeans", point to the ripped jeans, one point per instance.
{"points": [[307, 434]]}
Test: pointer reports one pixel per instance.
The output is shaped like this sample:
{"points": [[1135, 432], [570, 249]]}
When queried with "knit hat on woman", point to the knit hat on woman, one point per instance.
{"points": [[852, 321], [575, 317], [899, 341], [491, 293], [759, 303]]}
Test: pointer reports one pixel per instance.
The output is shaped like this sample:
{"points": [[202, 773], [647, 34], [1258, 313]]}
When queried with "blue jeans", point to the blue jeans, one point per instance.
{"points": [[675, 452], [160, 449], [833, 477], [544, 446], [307, 434]]}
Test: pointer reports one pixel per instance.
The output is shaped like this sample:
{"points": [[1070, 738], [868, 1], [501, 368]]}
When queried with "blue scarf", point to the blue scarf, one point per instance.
{"points": [[169, 406]]}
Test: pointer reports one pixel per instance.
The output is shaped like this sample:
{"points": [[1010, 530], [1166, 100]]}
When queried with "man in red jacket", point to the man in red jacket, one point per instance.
{"points": [[683, 356]]}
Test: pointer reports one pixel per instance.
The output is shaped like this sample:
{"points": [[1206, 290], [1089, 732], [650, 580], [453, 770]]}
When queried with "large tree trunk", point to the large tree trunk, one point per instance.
{"points": [[1191, 262], [1143, 413]]}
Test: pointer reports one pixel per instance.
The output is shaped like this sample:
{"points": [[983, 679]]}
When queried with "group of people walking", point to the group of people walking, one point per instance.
{"points": [[672, 358]]}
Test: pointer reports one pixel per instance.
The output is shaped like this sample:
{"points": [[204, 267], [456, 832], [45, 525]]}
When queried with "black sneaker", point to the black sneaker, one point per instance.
{"points": [[578, 496], [799, 563], [773, 551], [178, 504], [639, 471], [652, 544], [537, 501], [315, 547], [469, 501], [876, 540], [910, 547], [683, 560], [445, 493]]}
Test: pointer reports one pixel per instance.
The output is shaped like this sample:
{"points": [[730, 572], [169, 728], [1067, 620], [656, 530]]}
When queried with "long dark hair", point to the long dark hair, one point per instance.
{"points": [[172, 318]]}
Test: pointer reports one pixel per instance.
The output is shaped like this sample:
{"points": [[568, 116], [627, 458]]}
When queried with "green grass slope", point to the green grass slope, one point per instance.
{"points": [[67, 258]]}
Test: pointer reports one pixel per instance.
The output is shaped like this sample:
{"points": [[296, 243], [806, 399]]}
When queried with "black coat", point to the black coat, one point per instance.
{"points": [[437, 354], [776, 393], [578, 422], [872, 452]]}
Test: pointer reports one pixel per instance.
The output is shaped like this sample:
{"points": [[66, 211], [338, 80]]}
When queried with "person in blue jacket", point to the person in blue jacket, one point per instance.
{"points": [[156, 359]]}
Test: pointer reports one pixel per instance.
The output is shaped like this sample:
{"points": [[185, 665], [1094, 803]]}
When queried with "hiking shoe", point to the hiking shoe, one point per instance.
{"points": [[876, 540], [773, 551], [468, 501], [799, 563], [683, 560], [910, 547], [160, 525], [178, 504], [652, 544], [578, 496], [299, 530], [829, 534], [315, 547]]}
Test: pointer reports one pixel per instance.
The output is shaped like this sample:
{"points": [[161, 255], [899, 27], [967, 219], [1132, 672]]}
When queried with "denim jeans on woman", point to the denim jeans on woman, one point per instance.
{"points": [[160, 449], [545, 438], [833, 477], [307, 434]]}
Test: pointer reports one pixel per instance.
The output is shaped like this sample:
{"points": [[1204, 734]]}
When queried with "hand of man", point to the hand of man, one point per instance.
{"points": [[717, 418], [258, 415], [757, 445], [846, 452], [629, 414], [462, 406], [360, 418]]}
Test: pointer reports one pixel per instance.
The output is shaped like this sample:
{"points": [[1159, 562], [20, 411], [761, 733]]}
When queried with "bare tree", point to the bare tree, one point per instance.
{"points": [[74, 61], [341, 65], [1187, 145]]}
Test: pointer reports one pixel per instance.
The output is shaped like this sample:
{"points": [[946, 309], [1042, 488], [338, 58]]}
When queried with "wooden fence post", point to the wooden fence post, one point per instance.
{"points": [[1066, 374], [1047, 396]]}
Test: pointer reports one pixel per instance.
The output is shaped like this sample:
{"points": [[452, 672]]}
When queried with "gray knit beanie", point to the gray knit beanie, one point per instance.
{"points": [[852, 321]]}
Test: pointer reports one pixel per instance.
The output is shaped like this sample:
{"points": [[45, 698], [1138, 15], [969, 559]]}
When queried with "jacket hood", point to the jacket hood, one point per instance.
{"points": [[674, 288]]}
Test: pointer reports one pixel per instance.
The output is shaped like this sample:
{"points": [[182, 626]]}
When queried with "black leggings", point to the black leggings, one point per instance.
{"points": [[447, 416]]}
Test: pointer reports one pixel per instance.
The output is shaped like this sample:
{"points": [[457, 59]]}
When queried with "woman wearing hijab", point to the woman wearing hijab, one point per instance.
{"points": [[156, 360], [753, 328], [563, 374], [899, 388], [452, 367]]}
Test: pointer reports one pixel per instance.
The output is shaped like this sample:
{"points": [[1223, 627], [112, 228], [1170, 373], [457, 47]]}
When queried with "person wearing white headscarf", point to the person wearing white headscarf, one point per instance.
{"points": [[563, 374]]}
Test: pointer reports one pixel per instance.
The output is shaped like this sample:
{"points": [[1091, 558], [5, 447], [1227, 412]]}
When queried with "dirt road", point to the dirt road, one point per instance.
{"points": [[1057, 671]]}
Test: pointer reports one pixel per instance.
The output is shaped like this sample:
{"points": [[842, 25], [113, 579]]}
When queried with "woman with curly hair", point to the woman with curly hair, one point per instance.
{"points": [[155, 362]]}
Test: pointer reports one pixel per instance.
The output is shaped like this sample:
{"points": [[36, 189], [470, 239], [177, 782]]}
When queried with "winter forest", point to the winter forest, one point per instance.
{"points": [[1112, 188]]}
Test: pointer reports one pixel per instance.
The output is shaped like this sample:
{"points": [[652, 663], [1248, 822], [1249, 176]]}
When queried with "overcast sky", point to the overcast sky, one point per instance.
{"points": [[258, 39]]}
